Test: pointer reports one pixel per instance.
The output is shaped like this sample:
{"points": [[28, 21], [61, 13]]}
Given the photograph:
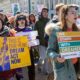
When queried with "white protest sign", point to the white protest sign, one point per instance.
{"points": [[31, 37], [34, 42]]}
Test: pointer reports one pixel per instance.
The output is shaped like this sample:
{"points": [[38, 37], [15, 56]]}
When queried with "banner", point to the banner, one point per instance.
{"points": [[14, 53], [31, 37], [69, 44]]}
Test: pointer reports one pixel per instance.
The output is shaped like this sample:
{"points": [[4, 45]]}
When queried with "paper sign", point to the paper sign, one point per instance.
{"points": [[14, 53], [33, 43], [69, 44], [31, 37]]}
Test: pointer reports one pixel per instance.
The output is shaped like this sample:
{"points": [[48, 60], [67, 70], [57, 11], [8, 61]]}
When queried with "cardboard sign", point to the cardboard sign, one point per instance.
{"points": [[69, 44], [14, 53]]}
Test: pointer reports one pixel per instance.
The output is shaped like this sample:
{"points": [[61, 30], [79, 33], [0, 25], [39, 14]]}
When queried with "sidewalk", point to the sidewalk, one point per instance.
{"points": [[39, 75]]}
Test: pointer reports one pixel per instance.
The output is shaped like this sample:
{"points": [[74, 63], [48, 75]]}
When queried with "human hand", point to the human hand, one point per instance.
{"points": [[12, 32], [60, 59]]}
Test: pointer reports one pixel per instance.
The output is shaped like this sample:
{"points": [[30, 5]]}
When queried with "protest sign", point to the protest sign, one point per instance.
{"points": [[14, 53], [31, 37], [69, 44]]}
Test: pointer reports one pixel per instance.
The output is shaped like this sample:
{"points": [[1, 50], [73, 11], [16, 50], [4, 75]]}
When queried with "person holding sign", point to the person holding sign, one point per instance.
{"points": [[21, 26], [63, 69], [5, 72]]}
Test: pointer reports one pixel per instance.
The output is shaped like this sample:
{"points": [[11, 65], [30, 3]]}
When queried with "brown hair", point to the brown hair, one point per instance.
{"points": [[34, 18], [45, 9], [58, 6], [63, 12], [17, 19]]}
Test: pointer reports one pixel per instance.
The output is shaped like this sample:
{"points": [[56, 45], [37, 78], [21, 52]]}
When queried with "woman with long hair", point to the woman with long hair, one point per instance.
{"points": [[63, 69], [32, 21]]}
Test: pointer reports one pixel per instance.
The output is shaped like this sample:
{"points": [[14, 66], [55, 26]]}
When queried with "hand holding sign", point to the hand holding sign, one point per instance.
{"points": [[60, 60]]}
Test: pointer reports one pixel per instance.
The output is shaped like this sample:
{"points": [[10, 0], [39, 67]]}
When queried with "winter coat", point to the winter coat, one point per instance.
{"points": [[40, 26], [62, 71]]}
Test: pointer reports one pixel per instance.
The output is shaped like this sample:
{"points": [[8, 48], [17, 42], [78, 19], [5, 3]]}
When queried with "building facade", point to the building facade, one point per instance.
{"points": [[50, 4], [7, 5], [34, 6]]}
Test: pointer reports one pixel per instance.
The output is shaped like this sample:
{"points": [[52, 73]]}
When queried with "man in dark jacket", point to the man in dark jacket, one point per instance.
{"points": [[40, 26]]}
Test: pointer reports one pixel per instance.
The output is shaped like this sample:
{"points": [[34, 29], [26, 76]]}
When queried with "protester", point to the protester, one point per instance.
{"points": [[6, 32], [63, 69], [40, 26], [54, 20], [21, 26], [32, 21]]}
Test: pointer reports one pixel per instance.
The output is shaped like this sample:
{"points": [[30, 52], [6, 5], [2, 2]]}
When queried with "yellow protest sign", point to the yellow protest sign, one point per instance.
{"points": [[14, 53]]}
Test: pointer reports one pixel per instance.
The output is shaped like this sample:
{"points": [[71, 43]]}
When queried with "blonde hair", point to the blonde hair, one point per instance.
{"points": [[58, 6], [63, 13], [49, 27]]}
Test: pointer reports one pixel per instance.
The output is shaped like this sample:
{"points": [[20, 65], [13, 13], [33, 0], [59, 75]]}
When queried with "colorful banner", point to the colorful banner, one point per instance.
{"points": [[69, 44], [14, 53]]}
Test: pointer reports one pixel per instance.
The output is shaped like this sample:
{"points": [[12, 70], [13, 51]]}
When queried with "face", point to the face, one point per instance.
{"points": [[0, 24], [71, 15], [32, 17], [21, 23], [45, 13]]}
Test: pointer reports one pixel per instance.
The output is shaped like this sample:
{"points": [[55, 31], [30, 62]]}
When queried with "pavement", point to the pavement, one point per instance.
{"points": [[39, 75]]}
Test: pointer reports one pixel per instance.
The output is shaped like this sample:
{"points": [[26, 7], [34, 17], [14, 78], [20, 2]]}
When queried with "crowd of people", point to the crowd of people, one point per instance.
{"points": [[48, 50]]}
